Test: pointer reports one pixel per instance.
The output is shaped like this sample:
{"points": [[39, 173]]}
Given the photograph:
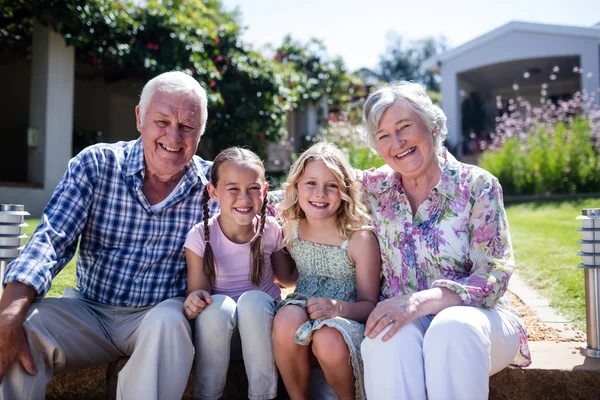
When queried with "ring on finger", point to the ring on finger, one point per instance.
{"points": [[389, 318]]}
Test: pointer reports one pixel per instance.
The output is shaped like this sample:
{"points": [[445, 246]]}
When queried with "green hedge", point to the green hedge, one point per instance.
{"points": [[559, 159]]}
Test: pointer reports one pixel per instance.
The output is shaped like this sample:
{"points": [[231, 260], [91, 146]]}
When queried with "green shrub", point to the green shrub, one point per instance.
{"points": [[553, 159]]}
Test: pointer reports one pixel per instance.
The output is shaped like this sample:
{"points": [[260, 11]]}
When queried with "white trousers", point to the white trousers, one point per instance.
{"points": [[449, 356]]}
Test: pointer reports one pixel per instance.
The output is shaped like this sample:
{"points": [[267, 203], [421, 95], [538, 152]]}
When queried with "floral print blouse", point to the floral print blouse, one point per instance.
{"points": [[458, 238]]}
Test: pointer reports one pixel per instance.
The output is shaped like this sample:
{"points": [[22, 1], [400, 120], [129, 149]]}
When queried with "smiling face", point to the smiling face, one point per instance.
{"points": [[319, 192], [170, 133], [240, 191], [404, 141]]}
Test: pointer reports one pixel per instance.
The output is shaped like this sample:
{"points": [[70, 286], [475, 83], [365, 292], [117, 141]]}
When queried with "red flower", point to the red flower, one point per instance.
{"points": [[262, 136], [212, 83], [219, 58], [150, 46], [94, 61], [192, 70], [217, 41]]}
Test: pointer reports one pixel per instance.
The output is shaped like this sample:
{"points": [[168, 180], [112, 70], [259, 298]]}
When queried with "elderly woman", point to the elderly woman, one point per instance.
{"points": [[442, 327]]}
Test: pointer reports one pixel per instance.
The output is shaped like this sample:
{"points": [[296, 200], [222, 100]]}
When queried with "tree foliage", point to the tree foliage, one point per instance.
{"points": [[249, 94]]}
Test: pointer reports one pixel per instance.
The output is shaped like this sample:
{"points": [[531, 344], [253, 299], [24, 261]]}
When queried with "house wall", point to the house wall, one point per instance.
{"points": [[106, 107], [14, 109], [514, 46]]}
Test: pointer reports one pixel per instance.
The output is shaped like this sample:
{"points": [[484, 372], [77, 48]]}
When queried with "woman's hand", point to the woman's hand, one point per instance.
{"points": [[397, 312], [196, 302], [322, 308]]}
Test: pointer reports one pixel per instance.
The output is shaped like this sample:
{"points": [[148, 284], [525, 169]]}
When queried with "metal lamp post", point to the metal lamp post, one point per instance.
{"points": [[590, 230], [12, 238]]}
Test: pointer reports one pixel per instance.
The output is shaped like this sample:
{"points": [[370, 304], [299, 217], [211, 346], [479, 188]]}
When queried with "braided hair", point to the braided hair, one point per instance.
{"points": [[243, 157]]}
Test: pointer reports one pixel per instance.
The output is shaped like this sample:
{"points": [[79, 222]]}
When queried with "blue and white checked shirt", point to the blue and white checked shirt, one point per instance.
{"points": [[128, 255]]}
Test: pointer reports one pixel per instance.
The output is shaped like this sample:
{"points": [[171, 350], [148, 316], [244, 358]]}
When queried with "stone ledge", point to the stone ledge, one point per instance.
{"points": [[510, 383]]}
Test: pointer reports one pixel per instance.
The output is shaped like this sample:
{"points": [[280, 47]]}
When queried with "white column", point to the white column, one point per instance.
{"points": [[51, 106], [590, 62], [451, 105]]}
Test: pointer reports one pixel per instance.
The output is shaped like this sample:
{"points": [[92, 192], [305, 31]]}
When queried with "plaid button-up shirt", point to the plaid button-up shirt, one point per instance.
{"points": [[128, 255]]}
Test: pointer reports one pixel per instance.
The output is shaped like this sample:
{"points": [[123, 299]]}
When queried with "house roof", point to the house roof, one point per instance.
{"points": [[434, 63]]}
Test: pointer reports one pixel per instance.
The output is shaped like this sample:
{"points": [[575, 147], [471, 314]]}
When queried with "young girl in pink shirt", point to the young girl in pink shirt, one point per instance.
{"points": [[231, 261]]}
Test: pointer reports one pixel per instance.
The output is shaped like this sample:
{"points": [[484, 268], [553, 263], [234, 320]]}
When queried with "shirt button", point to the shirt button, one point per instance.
{"points": [[137, 280]]}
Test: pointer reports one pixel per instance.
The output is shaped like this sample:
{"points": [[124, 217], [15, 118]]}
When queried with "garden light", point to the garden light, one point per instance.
{"points": [[590, 230], [12, 238]]}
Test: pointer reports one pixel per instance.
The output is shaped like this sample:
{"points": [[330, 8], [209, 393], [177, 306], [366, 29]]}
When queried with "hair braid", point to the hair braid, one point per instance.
{"points": [[257, 257], [208, 265]]}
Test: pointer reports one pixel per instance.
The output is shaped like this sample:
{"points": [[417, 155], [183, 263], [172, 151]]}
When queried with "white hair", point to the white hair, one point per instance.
{"points": [[174, 82], [415, 96]]}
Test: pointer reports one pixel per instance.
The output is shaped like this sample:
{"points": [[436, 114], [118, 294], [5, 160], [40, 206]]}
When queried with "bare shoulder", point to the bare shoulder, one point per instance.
{"points": [[363, 240]]}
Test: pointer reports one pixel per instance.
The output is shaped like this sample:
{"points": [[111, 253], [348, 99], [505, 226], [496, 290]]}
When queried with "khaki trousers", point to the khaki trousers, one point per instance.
{"points": [[71, 333]]}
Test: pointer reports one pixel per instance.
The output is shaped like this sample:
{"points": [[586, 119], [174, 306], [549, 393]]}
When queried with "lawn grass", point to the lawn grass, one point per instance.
{"points": [[544, 238]]}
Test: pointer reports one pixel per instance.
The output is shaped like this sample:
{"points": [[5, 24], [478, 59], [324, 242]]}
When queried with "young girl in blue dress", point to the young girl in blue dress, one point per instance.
{"points": [[337, 258]]}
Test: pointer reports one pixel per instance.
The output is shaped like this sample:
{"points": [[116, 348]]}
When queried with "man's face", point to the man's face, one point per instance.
{"points": [[170, 132]]}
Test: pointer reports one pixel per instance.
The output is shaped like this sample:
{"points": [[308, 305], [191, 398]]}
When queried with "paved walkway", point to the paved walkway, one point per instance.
{"points": [[562, 355]]}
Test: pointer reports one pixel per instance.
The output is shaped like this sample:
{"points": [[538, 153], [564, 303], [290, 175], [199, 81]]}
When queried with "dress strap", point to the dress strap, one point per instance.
{"points": [[345, 244], [296, 228]]}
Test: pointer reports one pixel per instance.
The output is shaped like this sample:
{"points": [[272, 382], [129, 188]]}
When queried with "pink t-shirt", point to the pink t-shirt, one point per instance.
{"points": [[232, 260]]}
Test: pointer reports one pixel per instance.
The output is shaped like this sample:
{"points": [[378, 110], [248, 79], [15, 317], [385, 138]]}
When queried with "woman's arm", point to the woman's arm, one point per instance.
{"points": [[284, 268], [490, 250], [363, 250], [403, 309]]}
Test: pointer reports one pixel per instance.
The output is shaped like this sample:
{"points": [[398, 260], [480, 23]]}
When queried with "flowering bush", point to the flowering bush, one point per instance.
{"points": [[552, 148]]}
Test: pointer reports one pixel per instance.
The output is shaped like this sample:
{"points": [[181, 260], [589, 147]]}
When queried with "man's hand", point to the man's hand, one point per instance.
{"points": [[13, 346], [322, 308], [195, 303]]}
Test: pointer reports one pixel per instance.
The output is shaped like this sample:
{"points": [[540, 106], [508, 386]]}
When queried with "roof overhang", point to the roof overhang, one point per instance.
{"points": [[434, 63]]}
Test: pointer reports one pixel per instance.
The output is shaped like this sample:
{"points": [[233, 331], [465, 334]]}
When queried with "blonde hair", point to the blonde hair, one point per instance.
{"points": [[257, 259], [352, 214]]}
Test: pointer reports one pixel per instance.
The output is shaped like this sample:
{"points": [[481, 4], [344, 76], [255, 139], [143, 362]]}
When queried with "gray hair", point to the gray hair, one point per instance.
{"points": [[417, 99], [174, 82]]}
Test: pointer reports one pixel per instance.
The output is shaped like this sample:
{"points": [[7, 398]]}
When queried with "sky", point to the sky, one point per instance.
{"points": [[357, 30]]}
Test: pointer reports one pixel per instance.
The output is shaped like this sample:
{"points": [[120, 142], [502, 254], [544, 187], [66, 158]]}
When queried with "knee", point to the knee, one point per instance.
{"points": [[455, 327], [167, 316], [255, 304], [286, 322], [329, 347], [218, 315], [408, 339]]}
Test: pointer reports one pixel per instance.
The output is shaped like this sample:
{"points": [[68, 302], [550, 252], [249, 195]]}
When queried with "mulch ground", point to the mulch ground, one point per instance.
{"points": [[536, 329]]}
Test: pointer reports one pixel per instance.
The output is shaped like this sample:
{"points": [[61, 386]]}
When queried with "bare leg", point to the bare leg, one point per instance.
{"points": [[292, 359], [334, 357]]}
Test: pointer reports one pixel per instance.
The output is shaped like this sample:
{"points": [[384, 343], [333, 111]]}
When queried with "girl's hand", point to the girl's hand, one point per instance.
{"points": [[195, 303], [397, 312], [322, 308]]}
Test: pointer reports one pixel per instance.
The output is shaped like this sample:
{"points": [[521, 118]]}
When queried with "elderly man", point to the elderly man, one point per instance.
{"points": [[131, 205]]}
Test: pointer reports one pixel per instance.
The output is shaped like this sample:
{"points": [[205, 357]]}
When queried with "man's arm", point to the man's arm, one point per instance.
{"points": [[15, 302], [54, 241]]}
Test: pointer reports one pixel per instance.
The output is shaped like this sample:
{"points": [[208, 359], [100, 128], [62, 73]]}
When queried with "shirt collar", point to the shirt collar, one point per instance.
{"points": [[134, 164], [446, 187]]}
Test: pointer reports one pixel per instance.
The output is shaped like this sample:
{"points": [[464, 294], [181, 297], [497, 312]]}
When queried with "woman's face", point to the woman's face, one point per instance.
{"points": [[404, 141]]}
